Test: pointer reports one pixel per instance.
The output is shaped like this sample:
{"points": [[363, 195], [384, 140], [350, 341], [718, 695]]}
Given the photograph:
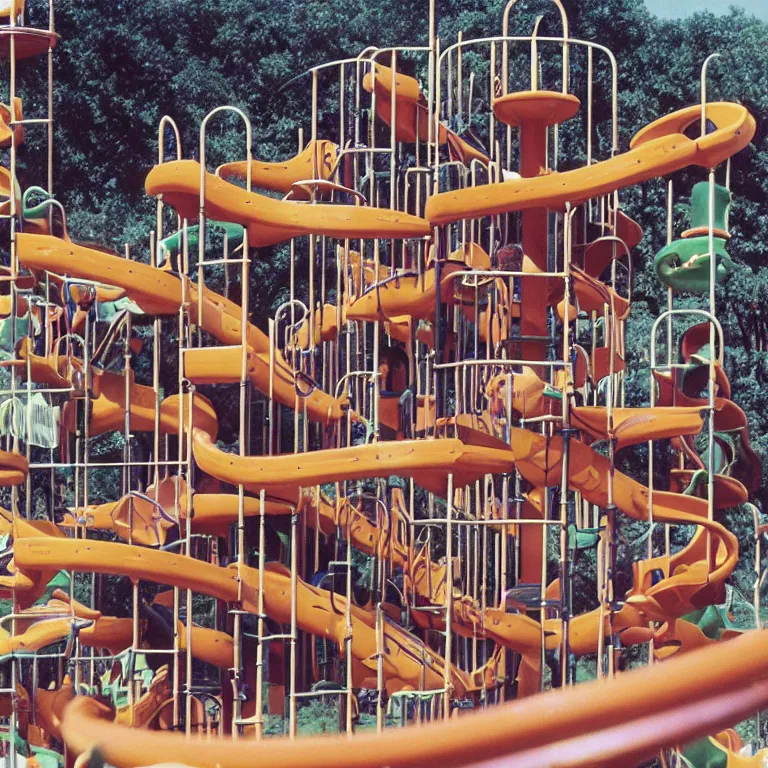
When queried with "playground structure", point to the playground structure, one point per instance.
{"points": [[427, 435]]}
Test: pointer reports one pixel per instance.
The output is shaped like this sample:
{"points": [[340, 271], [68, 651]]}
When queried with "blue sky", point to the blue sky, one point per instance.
{"points": [[686, 7]]}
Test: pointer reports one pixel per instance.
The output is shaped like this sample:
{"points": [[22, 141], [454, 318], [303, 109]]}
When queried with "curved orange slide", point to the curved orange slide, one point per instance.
{"points": [[108, 398], [161, 293], [409, 294], [316, 161], [429, 462], [138, 518], [412, 113], [108, 410], [657, 150], [407, 662], [616, 723], [101, 632], [13, 468], [687, 582], [271, 221], [208, 645], [412, 294], [637, 425]]}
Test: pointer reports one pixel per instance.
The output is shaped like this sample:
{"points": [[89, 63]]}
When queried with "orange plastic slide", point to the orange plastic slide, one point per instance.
{"points": [[137, 518], [271, 221], [630, 425], [407, 662], [316, 161], [411, 294], [13, 468], [412, 113], [208, 645], [108, 411], [159, 292], [108, 397], [637, 425], [99, 631], [429, 462], [657, 150], [687, 582], [612, 724]]}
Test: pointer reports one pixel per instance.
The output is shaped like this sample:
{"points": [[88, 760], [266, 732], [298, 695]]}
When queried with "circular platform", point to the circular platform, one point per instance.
{"points": [[541, 107], [29, 42]]}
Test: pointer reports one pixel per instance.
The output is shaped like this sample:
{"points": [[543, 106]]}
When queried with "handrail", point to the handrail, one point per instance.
{"points": [[505, 49]]}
